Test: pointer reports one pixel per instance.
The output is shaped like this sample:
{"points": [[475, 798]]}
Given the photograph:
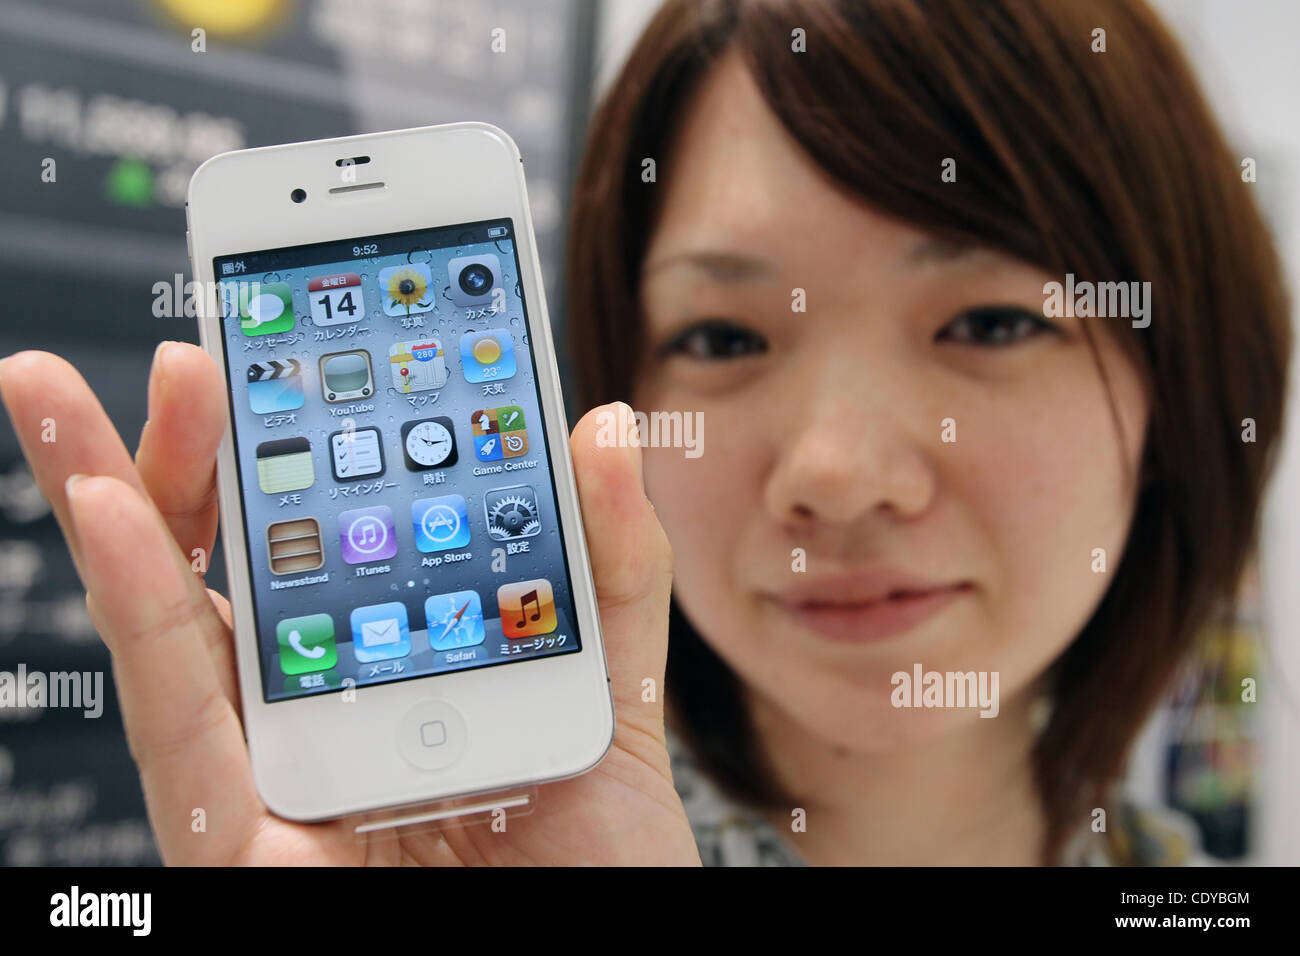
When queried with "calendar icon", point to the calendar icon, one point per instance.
{"points": [[336, 299]]}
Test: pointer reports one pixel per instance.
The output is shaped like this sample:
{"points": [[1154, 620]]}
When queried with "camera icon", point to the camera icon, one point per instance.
{"points": [[473, 278]]}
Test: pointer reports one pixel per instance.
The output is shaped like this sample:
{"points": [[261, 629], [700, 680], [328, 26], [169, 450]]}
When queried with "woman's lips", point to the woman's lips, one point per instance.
{"points": [[872, 620]]}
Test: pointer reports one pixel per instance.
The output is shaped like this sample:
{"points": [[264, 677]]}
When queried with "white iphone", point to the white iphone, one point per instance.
{"points": [[414, 613]]}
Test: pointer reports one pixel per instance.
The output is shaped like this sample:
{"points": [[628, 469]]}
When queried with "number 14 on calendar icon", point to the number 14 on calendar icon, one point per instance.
{"points": [[336, 299]]}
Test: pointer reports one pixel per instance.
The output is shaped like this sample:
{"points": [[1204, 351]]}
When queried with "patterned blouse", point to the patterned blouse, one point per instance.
{"points": [[730, 835]]}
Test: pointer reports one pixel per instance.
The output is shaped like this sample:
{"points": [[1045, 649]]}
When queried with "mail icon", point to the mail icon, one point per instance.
{"points": [[380, 632]]}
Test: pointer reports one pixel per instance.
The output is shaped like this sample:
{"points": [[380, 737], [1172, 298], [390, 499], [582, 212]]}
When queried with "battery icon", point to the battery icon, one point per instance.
{"points": [[496, 232]]}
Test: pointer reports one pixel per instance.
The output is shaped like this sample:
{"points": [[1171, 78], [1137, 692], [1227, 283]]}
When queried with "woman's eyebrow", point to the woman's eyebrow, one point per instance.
{"points": [[717, 265], [940, 250], [723, 266]]}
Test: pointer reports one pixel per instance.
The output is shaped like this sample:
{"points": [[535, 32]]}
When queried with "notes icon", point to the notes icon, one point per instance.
{"points": [[527, 608], [284, 465]]}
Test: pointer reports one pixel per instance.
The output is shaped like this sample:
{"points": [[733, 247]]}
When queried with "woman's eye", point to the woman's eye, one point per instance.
{"points": [[994, 326], [715, 339]]}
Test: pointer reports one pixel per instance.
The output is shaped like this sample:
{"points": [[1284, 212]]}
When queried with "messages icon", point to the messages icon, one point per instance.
{"points": [[263, 308]]}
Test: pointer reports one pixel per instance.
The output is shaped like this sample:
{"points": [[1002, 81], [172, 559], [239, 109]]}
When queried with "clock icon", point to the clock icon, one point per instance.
{"points": [[429, 443]]}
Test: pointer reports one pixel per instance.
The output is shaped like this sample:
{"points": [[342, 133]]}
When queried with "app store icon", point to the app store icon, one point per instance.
{"points": [[440, 523]]}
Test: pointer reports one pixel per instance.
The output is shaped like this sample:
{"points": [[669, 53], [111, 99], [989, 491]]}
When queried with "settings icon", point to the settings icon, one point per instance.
{"points": [[511, 512]]}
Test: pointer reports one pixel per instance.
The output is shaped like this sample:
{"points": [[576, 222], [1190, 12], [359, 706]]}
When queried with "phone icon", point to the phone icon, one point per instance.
{"points": [[306, 644], [295, 641]]}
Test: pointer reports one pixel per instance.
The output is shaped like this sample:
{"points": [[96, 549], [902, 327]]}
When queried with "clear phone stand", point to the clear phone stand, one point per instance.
{"points": [[493, 808]]}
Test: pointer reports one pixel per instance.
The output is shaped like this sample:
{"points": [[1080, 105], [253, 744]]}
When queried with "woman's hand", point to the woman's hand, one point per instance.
{"points": [[133, 529]]}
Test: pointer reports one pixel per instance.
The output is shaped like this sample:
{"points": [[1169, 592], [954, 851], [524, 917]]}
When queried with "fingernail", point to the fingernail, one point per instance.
{"points": [[155, 379], [72, 480], [627, 422]]}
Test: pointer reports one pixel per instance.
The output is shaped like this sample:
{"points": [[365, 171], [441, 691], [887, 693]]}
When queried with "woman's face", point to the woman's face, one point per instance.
{"points": [[824, 436]]}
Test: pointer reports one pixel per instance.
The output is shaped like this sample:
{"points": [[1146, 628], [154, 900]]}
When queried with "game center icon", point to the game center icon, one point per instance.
{"points": [[499, 433]]}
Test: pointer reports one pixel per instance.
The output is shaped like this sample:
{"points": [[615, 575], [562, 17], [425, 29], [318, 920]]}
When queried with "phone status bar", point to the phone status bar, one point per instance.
{"points": [[362, 247]]}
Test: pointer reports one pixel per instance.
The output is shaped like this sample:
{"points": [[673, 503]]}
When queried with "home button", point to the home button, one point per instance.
{"points": [[432, 735]]}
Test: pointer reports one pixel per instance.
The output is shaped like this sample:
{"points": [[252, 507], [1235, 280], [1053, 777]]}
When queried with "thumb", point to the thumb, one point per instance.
{"points": [[631, 562]]}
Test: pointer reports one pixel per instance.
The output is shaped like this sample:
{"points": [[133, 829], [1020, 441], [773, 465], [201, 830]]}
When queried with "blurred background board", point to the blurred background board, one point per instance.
{"points": [[106, 109]]}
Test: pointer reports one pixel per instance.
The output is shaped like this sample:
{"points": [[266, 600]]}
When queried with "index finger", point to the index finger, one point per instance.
{"points": [[63, 430], [156, 618]]}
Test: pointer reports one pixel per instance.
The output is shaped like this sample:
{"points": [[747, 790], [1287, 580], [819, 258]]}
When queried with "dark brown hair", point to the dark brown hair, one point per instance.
{"points": [[1108, 165]]}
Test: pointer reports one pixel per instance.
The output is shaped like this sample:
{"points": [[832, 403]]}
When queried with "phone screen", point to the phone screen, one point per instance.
{"points": [[400, 515]]}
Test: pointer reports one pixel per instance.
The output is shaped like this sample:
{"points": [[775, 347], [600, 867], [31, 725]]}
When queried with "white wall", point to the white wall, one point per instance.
{"points": [[1245, 52], [618, 23]]}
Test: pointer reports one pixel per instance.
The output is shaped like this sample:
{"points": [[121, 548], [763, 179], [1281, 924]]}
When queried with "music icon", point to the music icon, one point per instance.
{"points": [[527, 608], [367, 534]]}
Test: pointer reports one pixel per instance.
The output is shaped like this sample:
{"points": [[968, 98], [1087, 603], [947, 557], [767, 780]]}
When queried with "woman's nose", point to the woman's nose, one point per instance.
{"points": [[846, 454]]}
